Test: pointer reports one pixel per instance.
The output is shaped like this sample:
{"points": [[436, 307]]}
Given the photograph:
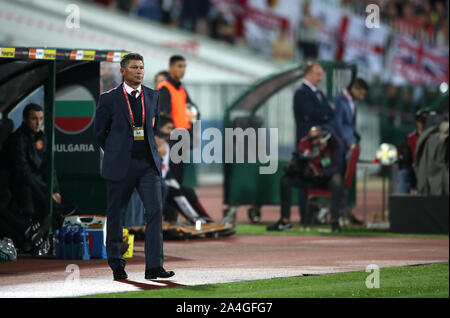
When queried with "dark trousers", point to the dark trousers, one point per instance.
{"points": [[28, 202], [334, 183], [143, 176]]}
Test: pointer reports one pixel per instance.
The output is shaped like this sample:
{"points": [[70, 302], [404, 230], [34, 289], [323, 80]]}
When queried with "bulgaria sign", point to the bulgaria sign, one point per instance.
{"points": [[74, 110], [75, 148]]}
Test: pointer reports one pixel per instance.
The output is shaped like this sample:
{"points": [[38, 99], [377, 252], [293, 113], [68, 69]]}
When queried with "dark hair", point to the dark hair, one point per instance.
{"points": [[176, 58], [31, 107], [164, 119], [164, 73], [130, 57], [359, 83], [422, 114]]}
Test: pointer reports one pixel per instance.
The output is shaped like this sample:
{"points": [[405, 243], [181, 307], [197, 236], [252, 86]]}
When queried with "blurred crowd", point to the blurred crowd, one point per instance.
{"points": [[200, 16], [427, 19]]}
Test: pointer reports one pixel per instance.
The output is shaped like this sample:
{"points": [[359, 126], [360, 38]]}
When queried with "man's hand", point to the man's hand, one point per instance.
{"points": [[57, 197], [162, 150], [316, 173]]}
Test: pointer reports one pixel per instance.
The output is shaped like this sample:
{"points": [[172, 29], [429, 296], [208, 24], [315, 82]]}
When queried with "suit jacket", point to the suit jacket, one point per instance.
{"points": [[345, 121], [309, 111], [114, 130]]}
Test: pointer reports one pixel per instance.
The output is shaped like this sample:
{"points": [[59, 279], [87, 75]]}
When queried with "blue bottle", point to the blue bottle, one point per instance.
{"points": [[76, 243], [83, 247], [61, 252], [55, 250], [69, 244]]}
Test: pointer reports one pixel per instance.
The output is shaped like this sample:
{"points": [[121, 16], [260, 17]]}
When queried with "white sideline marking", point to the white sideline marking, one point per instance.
{"points": [[105, 284]]}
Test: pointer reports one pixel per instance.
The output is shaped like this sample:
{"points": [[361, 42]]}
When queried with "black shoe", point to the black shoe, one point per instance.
{"points": [[119, 274], [41, 247], [32, 230], [280, 226], [160, 272], [354, 220]]}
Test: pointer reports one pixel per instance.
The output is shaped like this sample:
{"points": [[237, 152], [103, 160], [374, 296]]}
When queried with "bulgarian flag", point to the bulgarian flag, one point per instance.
{"points": [[73, 117]]}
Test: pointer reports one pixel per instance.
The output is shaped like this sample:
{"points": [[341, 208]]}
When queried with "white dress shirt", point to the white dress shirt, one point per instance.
{"points": [[129, 89]]}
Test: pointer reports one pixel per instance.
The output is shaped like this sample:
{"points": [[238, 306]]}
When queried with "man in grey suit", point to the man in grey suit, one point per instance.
{"points": [[125, 122], [345, 111]]}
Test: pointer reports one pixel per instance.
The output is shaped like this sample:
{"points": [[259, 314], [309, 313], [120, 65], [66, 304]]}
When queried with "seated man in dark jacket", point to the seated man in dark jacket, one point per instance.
{"points": [[24, 235], [26, 161], [319, 163]]}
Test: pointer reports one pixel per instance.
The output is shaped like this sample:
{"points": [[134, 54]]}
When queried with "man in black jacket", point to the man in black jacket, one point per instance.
{"points": [[25, 159], [25, 234]]}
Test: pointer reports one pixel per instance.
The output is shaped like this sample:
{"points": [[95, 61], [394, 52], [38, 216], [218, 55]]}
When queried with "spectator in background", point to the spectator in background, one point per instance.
{"points": [[389, 12], [283, 46], [108, 78], [407, 155], [170, 12], [307, 34], [194, 15], [149, 9], [345, 111], [161, 77], [127, 5], [222, 24]]}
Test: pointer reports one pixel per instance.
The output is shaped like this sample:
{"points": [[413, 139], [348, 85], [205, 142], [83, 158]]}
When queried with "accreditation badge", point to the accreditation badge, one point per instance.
{"points": [[326, 162], [138, 133], [153, 122]]}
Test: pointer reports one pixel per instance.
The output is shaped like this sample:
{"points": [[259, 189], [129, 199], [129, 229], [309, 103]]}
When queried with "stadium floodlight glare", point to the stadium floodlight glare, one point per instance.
{"points": [[443, 88]]}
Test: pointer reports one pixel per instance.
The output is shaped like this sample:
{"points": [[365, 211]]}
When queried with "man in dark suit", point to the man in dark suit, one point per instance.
{"points": [[311, 109], [345, 111], [125, 122]]}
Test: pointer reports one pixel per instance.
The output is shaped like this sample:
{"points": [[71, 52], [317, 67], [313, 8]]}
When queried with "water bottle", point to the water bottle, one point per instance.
{"points": [[62, 243], [69, 244], [55, 248], [77, 238], [76, 242], [83, 248]]}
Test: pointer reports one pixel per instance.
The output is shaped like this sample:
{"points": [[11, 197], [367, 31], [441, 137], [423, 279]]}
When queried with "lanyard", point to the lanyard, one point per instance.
{"points": [[129, 107]]}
